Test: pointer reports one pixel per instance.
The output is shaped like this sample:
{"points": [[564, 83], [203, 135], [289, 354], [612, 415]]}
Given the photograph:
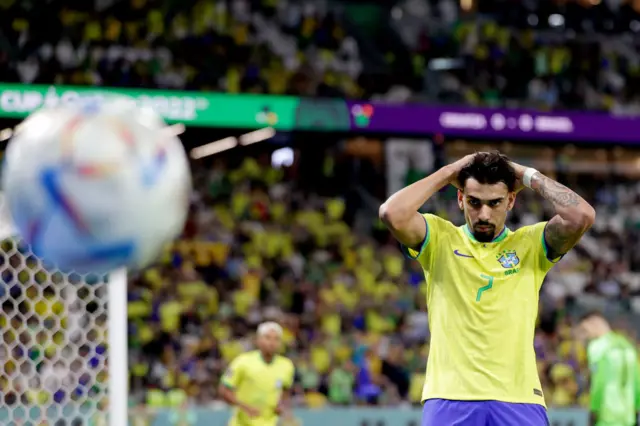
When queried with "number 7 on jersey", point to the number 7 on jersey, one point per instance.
{"points": [[484, 287]]}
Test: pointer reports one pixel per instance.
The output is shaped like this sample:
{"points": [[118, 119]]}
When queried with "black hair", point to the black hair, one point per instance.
{"points": [[489, 168]]}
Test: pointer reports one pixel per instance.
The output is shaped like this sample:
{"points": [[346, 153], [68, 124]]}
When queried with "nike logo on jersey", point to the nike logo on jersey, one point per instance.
{"points": [[457, 253]]}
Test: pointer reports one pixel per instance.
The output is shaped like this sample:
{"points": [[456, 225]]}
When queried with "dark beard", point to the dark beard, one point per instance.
{"points": [[484, 237]]}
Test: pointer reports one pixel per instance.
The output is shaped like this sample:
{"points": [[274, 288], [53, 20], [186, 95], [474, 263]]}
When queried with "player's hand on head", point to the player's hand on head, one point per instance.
{"points": [[519, 170], [458, 166], [463, 162]]}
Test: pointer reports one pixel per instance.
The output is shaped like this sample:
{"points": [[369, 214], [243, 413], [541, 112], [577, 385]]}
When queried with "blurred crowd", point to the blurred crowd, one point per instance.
{"points": [[257, 46], [543, 55], [258, 249], [529, 69], [540, 54]]}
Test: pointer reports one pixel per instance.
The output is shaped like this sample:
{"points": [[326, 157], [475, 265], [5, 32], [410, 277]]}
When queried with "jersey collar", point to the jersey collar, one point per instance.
{"points": [[264, 360], [501, 236]]}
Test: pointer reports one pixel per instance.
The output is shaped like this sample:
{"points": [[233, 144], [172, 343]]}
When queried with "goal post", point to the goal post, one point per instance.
{"points": [[64, 345], [118, 348]]}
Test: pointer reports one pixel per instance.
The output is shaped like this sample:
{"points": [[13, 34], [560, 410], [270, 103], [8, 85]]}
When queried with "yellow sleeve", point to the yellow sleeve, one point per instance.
{"points": [[536, 234], [235, 372], [434, 225]]}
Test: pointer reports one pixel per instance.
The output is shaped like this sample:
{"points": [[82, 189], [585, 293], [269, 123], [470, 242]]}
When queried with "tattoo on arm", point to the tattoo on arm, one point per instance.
{"points": [[555, 192], [559, 238], [563, 231]]}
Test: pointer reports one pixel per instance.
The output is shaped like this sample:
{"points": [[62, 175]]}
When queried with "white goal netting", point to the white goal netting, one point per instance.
{"points": [[53, 349]]}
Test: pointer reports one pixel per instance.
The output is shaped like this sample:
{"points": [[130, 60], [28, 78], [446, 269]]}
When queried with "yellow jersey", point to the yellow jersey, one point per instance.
{"points": [[258, 384], [482, 301]]}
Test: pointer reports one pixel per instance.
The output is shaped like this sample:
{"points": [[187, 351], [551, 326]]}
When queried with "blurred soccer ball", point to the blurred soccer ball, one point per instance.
{"points": [[96, 186]]}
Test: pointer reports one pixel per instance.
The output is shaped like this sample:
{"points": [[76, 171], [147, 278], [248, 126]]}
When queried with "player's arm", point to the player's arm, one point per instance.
{"points": [[230, 381], [599, 376], [285, 399], [637, 391], [285, 402], [400, 212], [574, 216], [596, 393]]}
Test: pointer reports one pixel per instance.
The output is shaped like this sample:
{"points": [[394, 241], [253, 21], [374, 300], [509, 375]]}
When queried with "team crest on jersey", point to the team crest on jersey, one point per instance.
{"points": [[508, 259], [278, 384]]}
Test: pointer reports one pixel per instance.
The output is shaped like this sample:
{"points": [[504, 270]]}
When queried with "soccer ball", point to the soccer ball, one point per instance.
{"points": [[95, 186]]}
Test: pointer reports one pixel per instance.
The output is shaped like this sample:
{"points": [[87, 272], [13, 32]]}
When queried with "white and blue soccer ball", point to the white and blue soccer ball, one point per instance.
{"points": [[96, 186]]}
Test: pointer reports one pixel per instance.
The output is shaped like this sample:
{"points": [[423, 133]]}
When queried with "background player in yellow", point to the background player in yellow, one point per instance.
{"points": [[483, 282], [257, 383]]}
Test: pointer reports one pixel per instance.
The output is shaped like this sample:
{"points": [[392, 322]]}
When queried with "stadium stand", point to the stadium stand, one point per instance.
{"points": [[306, 48]]}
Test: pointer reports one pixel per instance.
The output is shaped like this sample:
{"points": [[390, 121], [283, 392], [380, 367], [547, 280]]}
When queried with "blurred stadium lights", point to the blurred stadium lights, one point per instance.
{"points": [[282, 157], [214, 148], [466, 5], [556, 20], [5, 134], [443, 64], [230, 142], [257, 136]]}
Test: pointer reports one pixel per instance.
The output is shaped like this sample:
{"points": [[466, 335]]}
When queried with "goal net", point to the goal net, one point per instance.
{"points": [[55, 348]]}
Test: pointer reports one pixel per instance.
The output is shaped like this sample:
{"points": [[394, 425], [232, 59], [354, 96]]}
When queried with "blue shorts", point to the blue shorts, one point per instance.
{"points": [[443, 412]]}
